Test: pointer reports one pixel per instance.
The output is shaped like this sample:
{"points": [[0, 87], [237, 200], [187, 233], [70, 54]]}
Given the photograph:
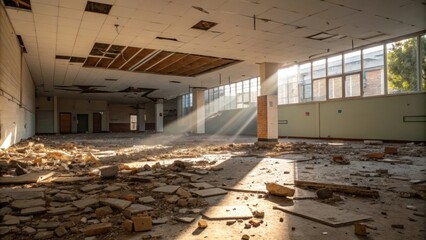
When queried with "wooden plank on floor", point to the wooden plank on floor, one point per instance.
{"points": [[323, 213]]}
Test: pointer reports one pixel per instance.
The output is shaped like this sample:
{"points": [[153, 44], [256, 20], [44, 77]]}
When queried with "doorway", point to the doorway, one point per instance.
{"points": [[64, 122], [97, 122], [82, 123], [133, 122]]}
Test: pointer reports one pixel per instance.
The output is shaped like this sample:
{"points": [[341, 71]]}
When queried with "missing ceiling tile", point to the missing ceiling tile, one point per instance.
{"points": [[98, 7], [77, 59], [204, 25], [99, 49], [201, 9], [22, 4], [63, 57], [175, 82], [321, 36], [166, 38], [21, 43]]}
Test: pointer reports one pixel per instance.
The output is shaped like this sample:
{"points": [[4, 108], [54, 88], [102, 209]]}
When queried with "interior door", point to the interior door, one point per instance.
{"points": [[97, 122], [65, 122], [83, 123]]}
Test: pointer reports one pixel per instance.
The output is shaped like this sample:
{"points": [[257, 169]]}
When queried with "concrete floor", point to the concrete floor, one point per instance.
{"points": [[244, 167]]}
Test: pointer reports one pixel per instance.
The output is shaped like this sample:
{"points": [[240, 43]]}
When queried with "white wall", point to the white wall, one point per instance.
{"points": [[17, 115], [365, 118]]}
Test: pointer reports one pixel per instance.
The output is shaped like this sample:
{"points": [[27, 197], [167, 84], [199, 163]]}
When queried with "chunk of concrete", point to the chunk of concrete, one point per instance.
{"points": [[279, 190]]}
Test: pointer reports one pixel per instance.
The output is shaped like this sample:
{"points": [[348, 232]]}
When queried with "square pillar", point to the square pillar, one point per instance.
{"points": [[159, 116], [198, 111], [267, 103], [141, 120]]}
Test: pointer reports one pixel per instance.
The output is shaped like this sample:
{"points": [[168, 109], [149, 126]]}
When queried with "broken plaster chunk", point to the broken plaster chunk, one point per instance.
{"points": [[142, 223], [376, 155], [259, 214], [245, 237], [115, 203], [103, 211], [171, 198], [183, 193], [170, 189], [324, 193], [185, 219], [202, 224], [109, 171], [148, 199], [391, 150], [128, 225], [360, 229], [91, 187], [20, 204], [279, 190], [96, 229]]}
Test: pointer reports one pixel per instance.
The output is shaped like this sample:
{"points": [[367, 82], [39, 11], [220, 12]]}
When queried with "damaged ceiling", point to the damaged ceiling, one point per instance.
{"points": [[191, 42]]}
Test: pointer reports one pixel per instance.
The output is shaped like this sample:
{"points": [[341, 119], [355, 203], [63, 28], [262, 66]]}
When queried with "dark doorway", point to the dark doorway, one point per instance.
{"points": [[97, 122], [64, 122], [83, 123]]}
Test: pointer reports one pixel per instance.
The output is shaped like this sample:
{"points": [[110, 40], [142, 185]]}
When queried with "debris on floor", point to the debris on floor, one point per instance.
{"points": [[116, 186]]}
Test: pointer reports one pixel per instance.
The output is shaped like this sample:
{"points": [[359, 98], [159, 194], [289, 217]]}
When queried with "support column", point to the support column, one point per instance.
{"points": [[141, 120], [267, 103], [179, 107], [55, 115], [198, 111], [159, 116]]}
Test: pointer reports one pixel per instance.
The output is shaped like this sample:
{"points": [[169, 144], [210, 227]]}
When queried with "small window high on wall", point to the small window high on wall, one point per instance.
{"points": [[402, 66]]}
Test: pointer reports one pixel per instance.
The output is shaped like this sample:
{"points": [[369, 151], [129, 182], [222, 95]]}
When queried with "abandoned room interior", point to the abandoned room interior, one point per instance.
{"points": [[212, 119]]}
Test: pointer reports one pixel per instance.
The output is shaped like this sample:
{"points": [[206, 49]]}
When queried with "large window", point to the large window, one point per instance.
{"points": [[287, 79], [373, 75], [402, 66], [186, 104], [231, 96], [305, 85]]}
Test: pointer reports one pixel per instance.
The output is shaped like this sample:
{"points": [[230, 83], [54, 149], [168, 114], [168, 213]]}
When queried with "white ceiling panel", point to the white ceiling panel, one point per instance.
{"points": [[73, 4], [63, 27]]}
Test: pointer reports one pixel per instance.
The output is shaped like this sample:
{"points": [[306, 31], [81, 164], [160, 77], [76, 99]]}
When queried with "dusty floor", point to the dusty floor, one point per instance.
{"points": [[229, 163]]}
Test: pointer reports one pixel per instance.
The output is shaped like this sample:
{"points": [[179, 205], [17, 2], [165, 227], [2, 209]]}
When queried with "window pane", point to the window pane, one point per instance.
{"points": [[318, 68], [352, 85], [221, 98], [334, 65], [335, 87], [402, 66], [239, 95], [246, 93], [288, 85], [233, 94], [423, 49], [253, 91], [319, 89], [227, 97], [305, 92], [373, 76], [352, 61]]}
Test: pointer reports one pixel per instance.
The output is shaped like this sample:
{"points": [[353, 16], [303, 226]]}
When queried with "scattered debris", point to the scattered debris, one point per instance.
{"points": [[279, 190], [355, 190], [360, 229]]}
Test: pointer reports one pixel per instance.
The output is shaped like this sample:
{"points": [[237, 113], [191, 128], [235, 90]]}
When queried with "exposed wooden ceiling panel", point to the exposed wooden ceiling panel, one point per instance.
{"points": [[91, 61], [156, 59], [166, 62], [127, 54], [152, 61], [141, 55], [179, 64], [104, 62]]}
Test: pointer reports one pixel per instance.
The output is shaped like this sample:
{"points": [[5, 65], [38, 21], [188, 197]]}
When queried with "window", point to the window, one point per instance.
{"points": [[186, 104], [352, 61], [233, 94], [353, 85], [402, 71], [305, 85], [287, 78], [246, 93], [334, 65], [335, 87], [319, 89], [239, 94], [253, 91], [133, 122], [373, 76], [318, 69]]}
